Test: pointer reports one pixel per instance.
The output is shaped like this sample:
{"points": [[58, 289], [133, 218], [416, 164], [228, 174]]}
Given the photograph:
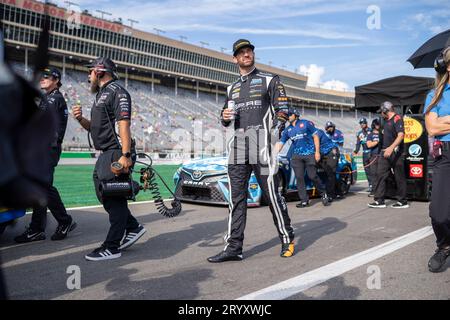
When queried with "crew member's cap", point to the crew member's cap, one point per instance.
{"points": [[294, 111], [241, 43], [104, 64], [363, 121], [386, 107], [329, 124], [376, 122], [53, 72]]}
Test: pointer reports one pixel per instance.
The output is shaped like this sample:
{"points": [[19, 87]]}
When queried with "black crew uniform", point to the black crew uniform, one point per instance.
{"points": [[259, 99], [391, 129], [361, 140], [374, 136], [112, 103], [55, 102]]}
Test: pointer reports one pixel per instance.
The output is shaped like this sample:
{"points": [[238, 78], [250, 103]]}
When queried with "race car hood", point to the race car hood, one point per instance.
{"points": [[208, 165]]}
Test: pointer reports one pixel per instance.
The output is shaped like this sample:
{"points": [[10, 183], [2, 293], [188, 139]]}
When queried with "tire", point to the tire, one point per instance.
{"points": [[345, 180]]}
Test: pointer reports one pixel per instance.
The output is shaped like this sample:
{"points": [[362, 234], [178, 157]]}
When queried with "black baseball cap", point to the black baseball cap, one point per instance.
{"points": [[53, 72], [295, 111], [385, 107], [329, 124], [104, 64], [241, 43]]}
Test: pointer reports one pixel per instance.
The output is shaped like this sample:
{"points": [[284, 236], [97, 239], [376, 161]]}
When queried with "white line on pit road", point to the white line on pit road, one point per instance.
{"points": [[100, 206], [290, 287]]}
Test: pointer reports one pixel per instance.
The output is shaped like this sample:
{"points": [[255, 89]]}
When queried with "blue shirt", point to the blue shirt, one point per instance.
{"points": [[361, 139], [326, 144], [442, 108], [302, 137], [337, 137], [374, 137]]}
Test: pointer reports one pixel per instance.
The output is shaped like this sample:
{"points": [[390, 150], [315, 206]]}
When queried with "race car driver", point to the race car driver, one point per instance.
{"points": [[257, 104]]}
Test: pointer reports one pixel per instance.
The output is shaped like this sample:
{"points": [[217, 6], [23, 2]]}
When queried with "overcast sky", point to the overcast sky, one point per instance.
{"points": [[327, 39]]}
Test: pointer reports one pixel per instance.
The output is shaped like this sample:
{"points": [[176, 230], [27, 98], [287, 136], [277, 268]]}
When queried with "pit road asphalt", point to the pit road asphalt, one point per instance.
{"points": [[169, 261]]}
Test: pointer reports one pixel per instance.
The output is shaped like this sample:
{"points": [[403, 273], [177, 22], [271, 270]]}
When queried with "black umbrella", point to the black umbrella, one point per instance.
{"points": [[424, 56]]}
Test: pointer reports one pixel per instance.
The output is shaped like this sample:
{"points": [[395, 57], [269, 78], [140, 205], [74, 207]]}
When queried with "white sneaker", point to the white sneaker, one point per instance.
{"points": [[400, 205]]}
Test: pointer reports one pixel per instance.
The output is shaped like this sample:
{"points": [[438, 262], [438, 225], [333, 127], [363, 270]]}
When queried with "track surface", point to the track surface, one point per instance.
{"points": [[169, 262]]}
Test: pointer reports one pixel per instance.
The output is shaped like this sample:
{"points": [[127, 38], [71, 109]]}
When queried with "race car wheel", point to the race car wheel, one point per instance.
{"points": [[345, 180]]}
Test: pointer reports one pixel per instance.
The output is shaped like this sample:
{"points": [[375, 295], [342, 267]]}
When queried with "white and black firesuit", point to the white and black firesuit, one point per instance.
{"points": [[260, 100]]}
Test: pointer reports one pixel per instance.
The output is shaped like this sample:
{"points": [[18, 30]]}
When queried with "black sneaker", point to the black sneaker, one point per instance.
{"points": [[225, 256], [131, 236], [287, 250], [63, 230], [325, 200], [303, 204], [377, 204], [437, 261], [103, 253], [30, 235], [400, 205]]}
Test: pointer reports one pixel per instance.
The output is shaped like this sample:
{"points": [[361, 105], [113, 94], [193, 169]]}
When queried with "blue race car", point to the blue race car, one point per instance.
{"points": [[206, 180], [8, 216]]}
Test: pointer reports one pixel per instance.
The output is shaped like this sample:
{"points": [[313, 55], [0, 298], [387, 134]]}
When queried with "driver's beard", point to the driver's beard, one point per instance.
{"points": [[252, 64], [94, 86]]}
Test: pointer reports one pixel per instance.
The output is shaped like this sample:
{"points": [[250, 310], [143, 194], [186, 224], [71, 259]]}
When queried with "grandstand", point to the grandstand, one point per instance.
{"points": [[173, 84]]}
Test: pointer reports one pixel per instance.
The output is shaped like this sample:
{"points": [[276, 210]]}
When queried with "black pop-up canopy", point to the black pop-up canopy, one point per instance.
{"points": [[402, 91]]}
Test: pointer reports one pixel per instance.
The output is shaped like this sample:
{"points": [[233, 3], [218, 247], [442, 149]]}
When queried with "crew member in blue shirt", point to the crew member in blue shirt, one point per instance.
{"points": [[329, 153], [361, 139], [335, 135], [306, 154], [437, 120], [373, 144]]}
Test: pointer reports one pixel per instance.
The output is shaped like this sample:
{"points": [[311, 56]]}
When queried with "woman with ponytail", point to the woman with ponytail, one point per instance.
{"points": [[437, 120]]}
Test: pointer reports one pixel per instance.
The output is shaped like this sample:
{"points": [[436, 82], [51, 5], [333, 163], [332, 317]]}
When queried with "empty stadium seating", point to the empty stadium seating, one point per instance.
{"points": [[157, 114]]}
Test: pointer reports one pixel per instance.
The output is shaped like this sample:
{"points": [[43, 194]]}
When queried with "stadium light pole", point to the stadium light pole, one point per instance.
{"points": [[203, 43], [182, 38], [26, 60], [132, 22], [103, 13], [158, 31], [70, 3], [223, 49]]}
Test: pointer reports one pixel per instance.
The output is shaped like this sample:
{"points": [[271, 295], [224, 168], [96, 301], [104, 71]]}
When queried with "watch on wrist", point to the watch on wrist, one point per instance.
{"points": [[126, 154]]}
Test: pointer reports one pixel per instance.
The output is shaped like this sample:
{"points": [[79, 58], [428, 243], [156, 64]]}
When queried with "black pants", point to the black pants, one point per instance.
{"points": [[440, 200], [300, 164], [366, 163], [120, 217], [329, 164], [55, 204], [250, 152], [373, 167], [395, 162]]}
